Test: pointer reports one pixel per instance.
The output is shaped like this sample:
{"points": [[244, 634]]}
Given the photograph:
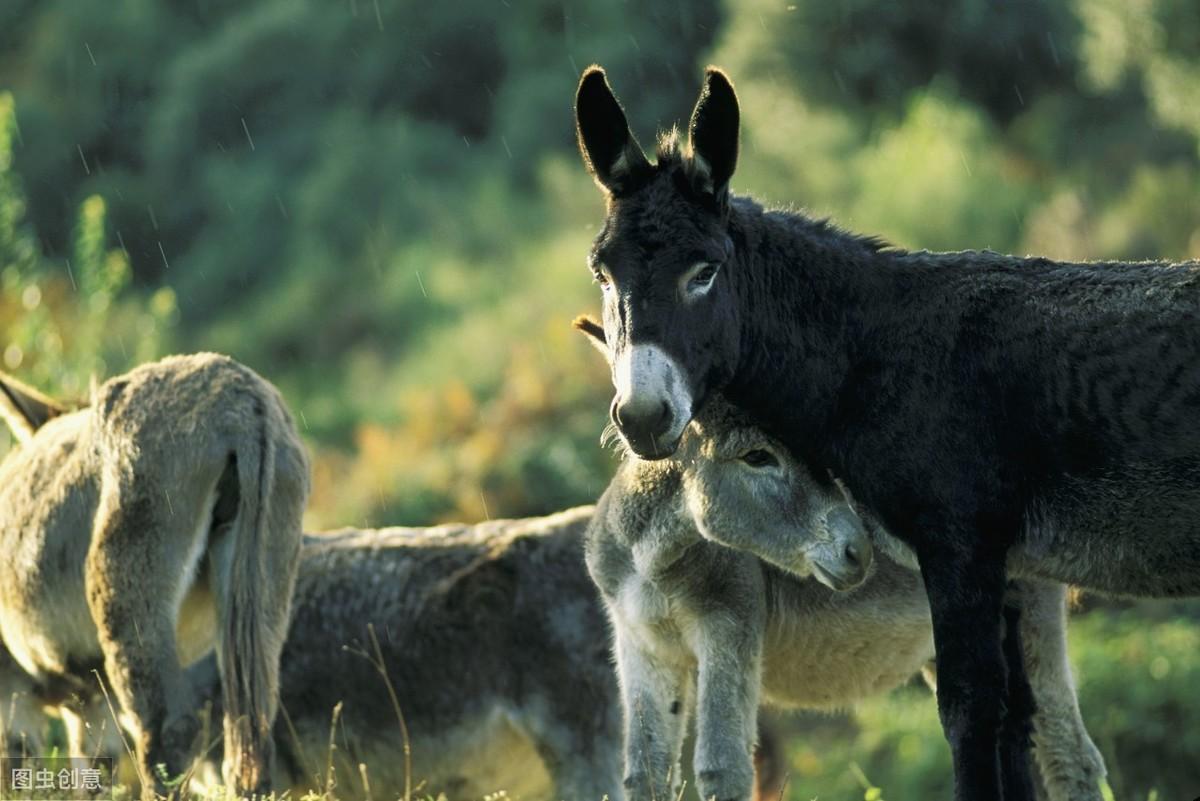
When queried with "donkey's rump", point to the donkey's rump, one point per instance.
{"points": [[113, 510]]}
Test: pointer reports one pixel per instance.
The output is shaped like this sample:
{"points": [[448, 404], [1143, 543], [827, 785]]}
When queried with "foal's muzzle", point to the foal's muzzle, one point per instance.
{"points": [[846, 560]]}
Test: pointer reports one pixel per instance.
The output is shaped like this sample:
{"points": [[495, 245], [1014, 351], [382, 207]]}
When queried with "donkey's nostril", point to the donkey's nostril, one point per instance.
{"points": [[645, 418], [664, 418], [853, 556]]}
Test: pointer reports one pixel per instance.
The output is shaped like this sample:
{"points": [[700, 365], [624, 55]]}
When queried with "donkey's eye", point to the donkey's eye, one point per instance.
{"points": [[759, 458], [705, 276]]}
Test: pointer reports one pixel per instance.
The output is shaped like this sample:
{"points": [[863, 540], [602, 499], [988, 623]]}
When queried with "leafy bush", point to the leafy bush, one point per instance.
{"points": [[70, 319]]}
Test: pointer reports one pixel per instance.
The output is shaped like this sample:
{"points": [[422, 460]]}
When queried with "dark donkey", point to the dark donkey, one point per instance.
{"points": [[994, 413]]}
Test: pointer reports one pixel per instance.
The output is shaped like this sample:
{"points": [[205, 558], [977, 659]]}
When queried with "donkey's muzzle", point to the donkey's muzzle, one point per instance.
{"points": [[645, 425], [843, 574]]}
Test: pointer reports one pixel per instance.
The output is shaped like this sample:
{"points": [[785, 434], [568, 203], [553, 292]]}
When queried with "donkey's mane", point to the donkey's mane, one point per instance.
{"points": [[826, 228], [671, 156], [669, 152]]}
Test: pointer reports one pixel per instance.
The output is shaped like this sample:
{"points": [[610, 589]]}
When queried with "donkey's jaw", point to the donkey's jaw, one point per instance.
{"points": [[651, 449]]}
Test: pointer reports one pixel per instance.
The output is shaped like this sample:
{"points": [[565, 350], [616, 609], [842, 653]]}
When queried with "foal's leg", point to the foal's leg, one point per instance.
{"points": [[1070, 764], [966, 596], [134, 569], [1017, 727], [728, 647], [656, 699]]}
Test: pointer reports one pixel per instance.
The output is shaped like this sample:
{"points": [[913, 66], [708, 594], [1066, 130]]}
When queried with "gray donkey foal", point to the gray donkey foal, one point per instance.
{"points": [[139, 530], [697, 623]]}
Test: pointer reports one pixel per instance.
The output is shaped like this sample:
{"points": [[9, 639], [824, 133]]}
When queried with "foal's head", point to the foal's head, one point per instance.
{"points": [[741, 485], [742, 488], [670, 312]]}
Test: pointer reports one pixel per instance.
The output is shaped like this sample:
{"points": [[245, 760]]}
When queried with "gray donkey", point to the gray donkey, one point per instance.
{"points": [[132, 528], [700, 624], [492, 638]]}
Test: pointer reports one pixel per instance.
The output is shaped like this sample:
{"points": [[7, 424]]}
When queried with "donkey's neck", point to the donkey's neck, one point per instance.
{"points": [[809, 295]]}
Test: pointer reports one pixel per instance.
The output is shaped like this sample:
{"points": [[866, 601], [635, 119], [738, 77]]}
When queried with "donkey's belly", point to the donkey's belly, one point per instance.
{"points": [[838, 671], [470, 759], [829, 653], [1135, 532]]}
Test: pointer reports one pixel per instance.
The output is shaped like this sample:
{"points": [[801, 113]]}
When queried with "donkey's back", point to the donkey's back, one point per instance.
{"points": [[1098, 364]]}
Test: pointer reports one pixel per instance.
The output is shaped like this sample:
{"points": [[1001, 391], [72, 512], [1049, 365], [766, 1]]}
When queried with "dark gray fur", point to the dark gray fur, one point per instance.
{"points": [[494, 640]]}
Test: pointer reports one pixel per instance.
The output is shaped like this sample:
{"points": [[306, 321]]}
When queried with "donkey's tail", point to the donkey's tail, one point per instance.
{"points": [[248, 655]]}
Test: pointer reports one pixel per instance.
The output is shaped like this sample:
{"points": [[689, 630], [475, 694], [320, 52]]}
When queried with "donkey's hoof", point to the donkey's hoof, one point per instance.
{"points": [[644, 787], [170, 753]]}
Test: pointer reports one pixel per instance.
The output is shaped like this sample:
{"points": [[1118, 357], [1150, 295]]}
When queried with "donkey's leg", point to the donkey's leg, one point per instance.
{"points": [[135, 569], [76, 726], [1017, 728], [91, 730], [581, 745], [1070, 764], [770, 764], [729, 651], [86, 734], [22, 721], [656, 700], [966, 596]]}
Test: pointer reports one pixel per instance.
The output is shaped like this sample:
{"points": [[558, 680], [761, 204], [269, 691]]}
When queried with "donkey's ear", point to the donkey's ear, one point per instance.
{"points": [[594, 331], [611, 153], [24, 408], [713, 134]]}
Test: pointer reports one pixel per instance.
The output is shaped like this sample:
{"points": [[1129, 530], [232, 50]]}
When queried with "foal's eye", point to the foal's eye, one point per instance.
{"points": [[759, 458]]}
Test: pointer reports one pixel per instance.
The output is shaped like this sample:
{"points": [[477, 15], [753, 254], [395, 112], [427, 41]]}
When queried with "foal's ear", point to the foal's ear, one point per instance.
{"points": [[594, 331], [612, 155], [713, 134], [24, 408]]}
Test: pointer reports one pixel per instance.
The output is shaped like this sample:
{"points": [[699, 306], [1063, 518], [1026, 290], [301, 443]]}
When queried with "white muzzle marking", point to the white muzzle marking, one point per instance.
{"points": [[647, 376]]}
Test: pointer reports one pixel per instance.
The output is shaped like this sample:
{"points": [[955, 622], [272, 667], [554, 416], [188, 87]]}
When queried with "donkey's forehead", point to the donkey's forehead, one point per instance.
{"points": [[657, 219]]}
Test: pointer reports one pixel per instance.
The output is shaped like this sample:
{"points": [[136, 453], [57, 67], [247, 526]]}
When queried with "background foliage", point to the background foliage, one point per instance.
{"points": [[377, 204]]}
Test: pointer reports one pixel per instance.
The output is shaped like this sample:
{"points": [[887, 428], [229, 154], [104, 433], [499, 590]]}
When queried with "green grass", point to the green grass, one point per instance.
{"points": [[1137, 669]]}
